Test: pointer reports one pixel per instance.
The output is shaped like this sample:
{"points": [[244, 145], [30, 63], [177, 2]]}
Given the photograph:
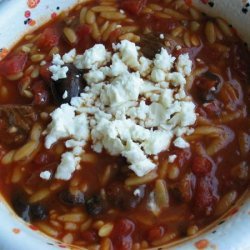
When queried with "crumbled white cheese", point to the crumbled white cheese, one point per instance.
{"points": [[67, 166], [92, 58], [57, 60], [181, 143], [156, 158], [140, 164], [65, 94], [94, 76], [58, 72], [66, 124], [117, 67], [122, 89], [60, 126], [145, 66], [158, 75], [42, 63], [129, 53], [188, 116], [157, 142], [184, 65], [172, 158], [132, 106], [164, 61], [167, 97], [70, 56], [178, 47], [45, 175], [162, 36], [176, 79]]}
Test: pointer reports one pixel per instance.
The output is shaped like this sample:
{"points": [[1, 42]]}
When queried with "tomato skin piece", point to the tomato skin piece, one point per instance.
{"points": [[240, 62], [121, 234], [204, 198], [83, 30], [213, 109], [124, 227], [49, 38], [90, 236], [13, 64], [45, 73], [133, 6], [183, 156], [113, 38], [155, 233], [84, 38], [123, 243], [41, 94], [164, 26], [201, 166]]}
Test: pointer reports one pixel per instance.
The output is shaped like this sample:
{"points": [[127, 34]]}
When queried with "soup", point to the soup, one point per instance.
{"points": [[125, 124]]}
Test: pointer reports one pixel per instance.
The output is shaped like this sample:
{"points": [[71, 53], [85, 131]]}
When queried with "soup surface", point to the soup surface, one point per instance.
{"points": [[88, 175]]}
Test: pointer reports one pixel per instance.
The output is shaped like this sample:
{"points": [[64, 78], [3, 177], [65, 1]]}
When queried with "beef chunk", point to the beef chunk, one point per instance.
{"points": [[15, 124]]}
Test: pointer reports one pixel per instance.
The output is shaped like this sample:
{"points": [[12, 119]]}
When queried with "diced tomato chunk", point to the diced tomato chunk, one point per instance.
{"points": [[240, 61], [41, 95], [114, 36], [205, 195], [49, 38], [121, 234], [133, 6], [183, 156], [212, 108], [83, 30], [201, 166], [164, 26], [90, 236], [124, 227], [84, 38], [155, 233], [201, 112], [45, 73], [123, 243], [13, 64]]}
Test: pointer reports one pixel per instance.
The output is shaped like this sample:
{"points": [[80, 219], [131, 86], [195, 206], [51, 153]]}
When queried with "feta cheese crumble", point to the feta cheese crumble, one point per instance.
{"points": [[132, 106], [57, 69], [45, 175], [65, 94], [172, 158]]}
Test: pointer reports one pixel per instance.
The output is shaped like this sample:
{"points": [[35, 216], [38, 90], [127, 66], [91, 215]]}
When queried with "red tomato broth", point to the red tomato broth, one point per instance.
{"points": [[209, 178]]}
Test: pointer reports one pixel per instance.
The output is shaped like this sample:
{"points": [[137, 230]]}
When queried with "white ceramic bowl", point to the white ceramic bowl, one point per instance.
{"points": [[232, 232]]}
